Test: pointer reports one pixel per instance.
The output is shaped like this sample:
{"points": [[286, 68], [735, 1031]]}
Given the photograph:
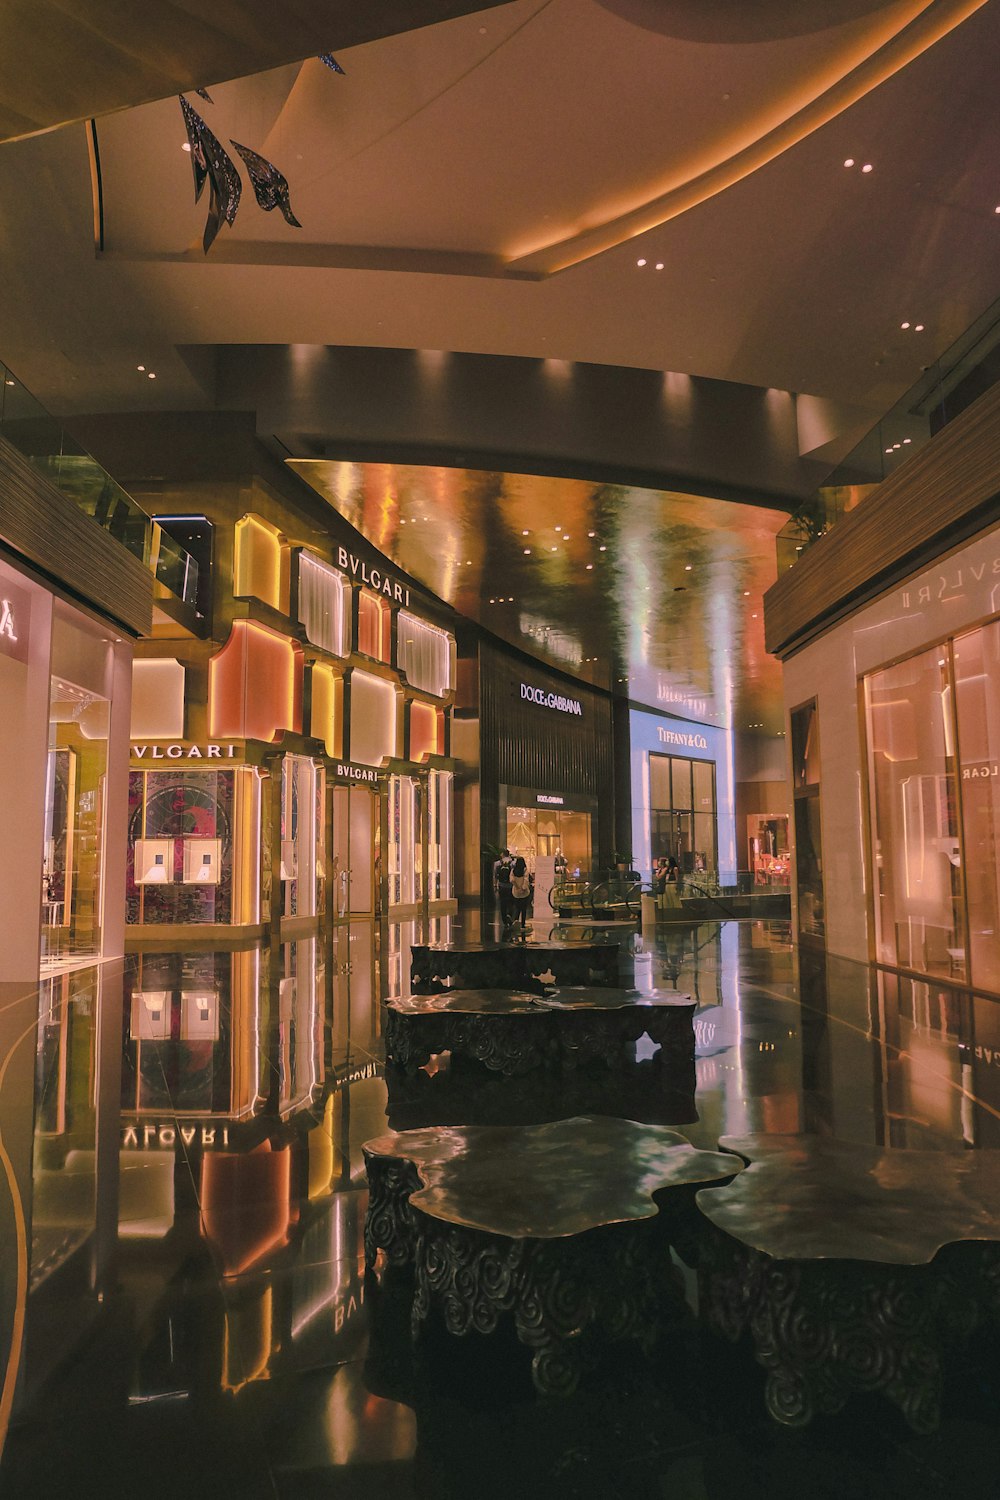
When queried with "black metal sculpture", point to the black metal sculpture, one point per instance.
{"points": [[269, 185], [211, 162], [331, 62]]}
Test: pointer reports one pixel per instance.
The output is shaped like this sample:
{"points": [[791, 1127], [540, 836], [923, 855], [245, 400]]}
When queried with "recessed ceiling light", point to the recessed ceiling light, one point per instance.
{"points": [[186, 146], [895, 445], [567, 537], [746, 593], [640, 262], [591, 533], [590, 567], [525, 533], [907, 440], [602, 548], [888, 450], [142, 368], [918, 328], [151, 375], [553, 549], [904, 325], [659, 265], [559, 528], [849, 162], [867, 167], [688, 567], [8, 382], [493, 601], [527, 551]]}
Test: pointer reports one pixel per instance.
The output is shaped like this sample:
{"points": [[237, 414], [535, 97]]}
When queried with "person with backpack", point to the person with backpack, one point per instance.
{"points": [[501, 885], [520, 889]]}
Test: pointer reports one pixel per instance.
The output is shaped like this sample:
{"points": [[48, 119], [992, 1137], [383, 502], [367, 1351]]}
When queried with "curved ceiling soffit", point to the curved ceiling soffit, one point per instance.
{"points": [[735, 20], [902, 37]]}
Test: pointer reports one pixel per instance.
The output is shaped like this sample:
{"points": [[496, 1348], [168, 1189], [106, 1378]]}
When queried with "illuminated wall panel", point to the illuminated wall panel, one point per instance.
{"points": [[157, 699], [324, 602], [425, 655], [326, 715], [374, 727], [255, 685], [260, 562], [426, 731], [374, 626]]}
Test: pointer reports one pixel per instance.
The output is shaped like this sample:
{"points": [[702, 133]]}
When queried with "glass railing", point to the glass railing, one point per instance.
{"points": [[44, 441]]}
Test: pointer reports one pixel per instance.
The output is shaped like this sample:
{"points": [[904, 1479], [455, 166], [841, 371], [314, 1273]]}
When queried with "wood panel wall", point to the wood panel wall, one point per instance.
{"points": [[945, 494], [43, 526]]}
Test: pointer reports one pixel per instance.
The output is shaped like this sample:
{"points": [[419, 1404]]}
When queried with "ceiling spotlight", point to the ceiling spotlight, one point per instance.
{"points": [[151, 375], [918, 328], [659, 265], [493, 601], [142, 368], [567, 537], [849, 162], [688, 567], [907, 440], [590, 567], [527, 551], [591, 533], [640, 262], [867, 167], [904, 325], [888, 450], [746, 593], [895, 445], [559, 528], [186, 146], [602, 548], [525, 533], [553, 549]]}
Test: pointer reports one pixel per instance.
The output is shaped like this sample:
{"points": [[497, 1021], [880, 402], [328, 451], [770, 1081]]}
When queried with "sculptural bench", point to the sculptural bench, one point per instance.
{"points": [[515, 1032], [854, 1269], [563, 1227]]}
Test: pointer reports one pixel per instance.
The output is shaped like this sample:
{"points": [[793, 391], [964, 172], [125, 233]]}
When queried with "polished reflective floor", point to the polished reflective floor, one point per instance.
{"points": [[183, 1306]]}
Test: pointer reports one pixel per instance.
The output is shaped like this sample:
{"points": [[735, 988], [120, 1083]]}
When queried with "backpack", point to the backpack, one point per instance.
{"points": [[520, 885], [503, 876]]}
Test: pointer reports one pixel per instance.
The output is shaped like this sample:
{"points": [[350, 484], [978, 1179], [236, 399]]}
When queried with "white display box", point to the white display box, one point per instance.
{"points": [[199, 1016], [202, 861], [154, 861], [150, 1015]]}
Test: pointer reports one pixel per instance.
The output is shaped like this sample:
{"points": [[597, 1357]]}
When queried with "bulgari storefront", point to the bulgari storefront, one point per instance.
{"points": [[294, 774], [905, 749]]}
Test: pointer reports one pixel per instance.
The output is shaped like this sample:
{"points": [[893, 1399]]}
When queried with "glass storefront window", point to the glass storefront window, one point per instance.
{"points": [[977, 702], [425, 654], [545, 831], [374, 626], [404, 840], [808, 824], [917, 878], [683, 815], [72, 865], [439, 874], [302, 784]]}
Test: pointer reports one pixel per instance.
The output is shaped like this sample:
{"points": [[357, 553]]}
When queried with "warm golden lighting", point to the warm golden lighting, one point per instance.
{"points": [[260, 562], [326, 715], [255, 685], [157, 698], [426, 731], [374, 719]]}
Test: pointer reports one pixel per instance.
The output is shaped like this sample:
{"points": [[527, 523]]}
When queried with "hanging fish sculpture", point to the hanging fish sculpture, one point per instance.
{"points": [[269, 185], [211, 163]]}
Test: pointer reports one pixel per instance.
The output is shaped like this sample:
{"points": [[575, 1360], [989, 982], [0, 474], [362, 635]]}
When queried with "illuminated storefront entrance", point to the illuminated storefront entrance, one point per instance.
{"points": [[540, 824]]}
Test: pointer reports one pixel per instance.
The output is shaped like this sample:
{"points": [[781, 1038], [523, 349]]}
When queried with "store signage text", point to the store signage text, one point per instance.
{"points": [[551, 700], [945, 586], [373, 577], [15, 609], [551, 801], [667, 694], [345, 772], [184, 752], [142, 1137], [988, 768], [691, 741]]}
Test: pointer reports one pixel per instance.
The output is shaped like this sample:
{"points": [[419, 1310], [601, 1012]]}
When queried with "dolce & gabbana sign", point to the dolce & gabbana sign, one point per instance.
{"points": [[375, 578], [551, 700]]}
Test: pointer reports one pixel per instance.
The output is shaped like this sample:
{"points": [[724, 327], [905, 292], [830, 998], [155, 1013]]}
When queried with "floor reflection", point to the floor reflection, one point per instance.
{"points": [[182, 1302]]}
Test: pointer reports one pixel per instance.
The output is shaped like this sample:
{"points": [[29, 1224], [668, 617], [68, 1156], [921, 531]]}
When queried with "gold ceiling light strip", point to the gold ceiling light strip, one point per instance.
{"points": [[918, 28]]}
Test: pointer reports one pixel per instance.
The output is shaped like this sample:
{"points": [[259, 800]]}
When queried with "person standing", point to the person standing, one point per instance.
{"points": [[501, 885], [520, 889]]}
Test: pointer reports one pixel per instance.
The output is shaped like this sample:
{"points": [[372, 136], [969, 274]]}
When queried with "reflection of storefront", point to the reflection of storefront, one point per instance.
{"points": [[354, 811], [768, 852], [682, 796], [64, 687], [546, 775], [540, 824]]}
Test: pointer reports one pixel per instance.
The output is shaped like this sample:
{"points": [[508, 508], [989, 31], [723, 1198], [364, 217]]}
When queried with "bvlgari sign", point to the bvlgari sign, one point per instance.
{"points": [[184, 752], [373, 577]]}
